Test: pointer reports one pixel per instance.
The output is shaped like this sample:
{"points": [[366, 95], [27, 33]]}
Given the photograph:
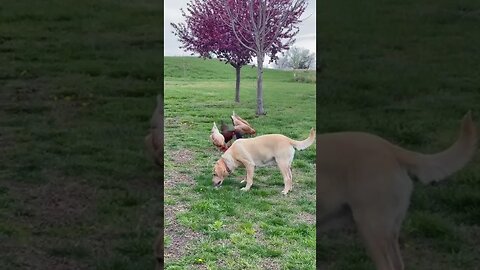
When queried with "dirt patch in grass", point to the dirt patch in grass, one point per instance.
{"points": [[172, 122], [180, 236], [269, 263], [58, 204], [182, 156], [30, 257], [25, 90], [174, 179], [50, 209], [46, 209], [307, 217]]}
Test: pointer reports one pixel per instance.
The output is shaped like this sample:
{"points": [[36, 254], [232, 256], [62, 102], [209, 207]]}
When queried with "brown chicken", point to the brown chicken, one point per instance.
{"points": [[229, 134], [239, 120], [242, 126]]}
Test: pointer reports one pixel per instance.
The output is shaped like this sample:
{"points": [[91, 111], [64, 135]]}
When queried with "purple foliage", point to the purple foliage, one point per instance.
{"points": [[204, 32]]}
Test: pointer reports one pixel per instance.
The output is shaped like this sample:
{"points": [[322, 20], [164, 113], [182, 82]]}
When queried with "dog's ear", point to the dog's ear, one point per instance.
{"points": [[222, 169], [216, 168]]}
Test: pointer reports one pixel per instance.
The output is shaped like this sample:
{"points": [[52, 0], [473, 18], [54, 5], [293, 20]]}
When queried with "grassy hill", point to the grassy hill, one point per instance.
{"points": [[228, 228], [194, 68]]}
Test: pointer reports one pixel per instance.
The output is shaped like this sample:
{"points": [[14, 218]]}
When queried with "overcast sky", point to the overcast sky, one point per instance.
{"points": [[305, 38]]}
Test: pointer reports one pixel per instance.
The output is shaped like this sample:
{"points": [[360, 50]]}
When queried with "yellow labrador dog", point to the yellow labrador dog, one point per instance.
{"points": [[260, 151], [365, 179]]}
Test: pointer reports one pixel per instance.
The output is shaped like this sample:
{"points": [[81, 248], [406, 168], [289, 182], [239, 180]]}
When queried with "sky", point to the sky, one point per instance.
{"points": [[306, 37]]}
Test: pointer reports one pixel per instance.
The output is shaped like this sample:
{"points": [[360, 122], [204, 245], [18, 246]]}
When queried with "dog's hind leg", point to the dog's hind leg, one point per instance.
{"points": [[378, 238], [378, 211], [401, 212], [379, 226], [398, 261], [289, 171], [287, 176]]}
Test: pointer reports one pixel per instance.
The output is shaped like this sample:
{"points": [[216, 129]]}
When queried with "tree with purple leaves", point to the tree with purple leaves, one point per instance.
{"points": [[205, 34], [264, 27]]}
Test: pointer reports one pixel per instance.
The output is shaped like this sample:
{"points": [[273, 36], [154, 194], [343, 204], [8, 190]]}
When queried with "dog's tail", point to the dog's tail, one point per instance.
{"points": [[300, 145], [436, 167]]}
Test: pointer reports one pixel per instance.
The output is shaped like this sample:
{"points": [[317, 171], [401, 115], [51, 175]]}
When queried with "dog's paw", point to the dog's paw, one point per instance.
{"points": [[284, 192], [244, 189]]}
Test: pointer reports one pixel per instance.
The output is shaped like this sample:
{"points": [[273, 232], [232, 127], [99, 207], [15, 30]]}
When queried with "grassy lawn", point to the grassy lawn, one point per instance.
{"points": [[226, 228], [407, 71], [78, 81]]}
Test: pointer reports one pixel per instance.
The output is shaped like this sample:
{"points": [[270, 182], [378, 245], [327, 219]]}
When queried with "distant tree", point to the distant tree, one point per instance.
{"points": [[264, 27], [297, 58], [203, 33]]}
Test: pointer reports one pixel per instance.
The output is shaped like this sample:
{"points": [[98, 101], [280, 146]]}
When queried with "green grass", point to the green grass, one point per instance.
{"points": [[234, 229], [407, 71], [78, 84]]}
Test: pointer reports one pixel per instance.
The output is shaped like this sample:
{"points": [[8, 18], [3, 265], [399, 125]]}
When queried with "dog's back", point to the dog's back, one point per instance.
{"points": [[353, 149], [263, 150], [273, 141], [348, 163]]}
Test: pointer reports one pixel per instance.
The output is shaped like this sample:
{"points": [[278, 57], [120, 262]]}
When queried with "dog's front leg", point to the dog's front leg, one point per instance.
{"points": [[250, 169]]}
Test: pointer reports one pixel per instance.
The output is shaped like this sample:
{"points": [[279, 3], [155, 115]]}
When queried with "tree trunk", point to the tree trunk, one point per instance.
{"points": [[260, 110], [237, 84]]}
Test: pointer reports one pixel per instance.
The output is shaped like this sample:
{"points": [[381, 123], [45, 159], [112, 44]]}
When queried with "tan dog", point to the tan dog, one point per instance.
{"points": [[154, 140], [260, 151], [365, 179], [217, 138]]}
